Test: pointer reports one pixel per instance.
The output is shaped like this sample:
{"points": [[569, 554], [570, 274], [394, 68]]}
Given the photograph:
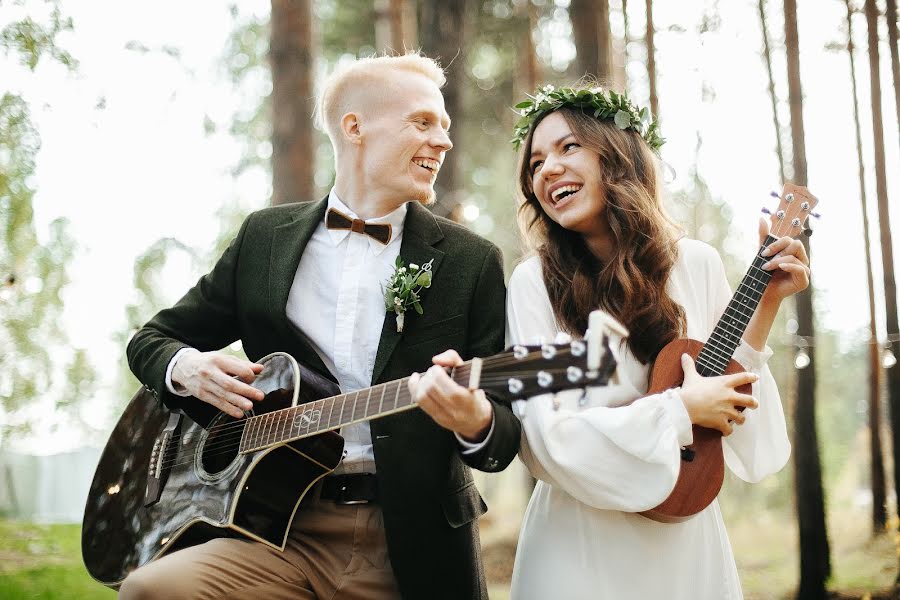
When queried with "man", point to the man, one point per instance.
{"points": [[290, 283]]}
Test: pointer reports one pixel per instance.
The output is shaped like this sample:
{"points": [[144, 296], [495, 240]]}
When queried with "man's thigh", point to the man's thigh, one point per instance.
{"points": [[221, 568]]}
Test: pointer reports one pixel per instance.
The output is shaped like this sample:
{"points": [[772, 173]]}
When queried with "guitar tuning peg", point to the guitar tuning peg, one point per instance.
{"points": [[808, 232], [774, 194], [766, 210], [816, 215]]}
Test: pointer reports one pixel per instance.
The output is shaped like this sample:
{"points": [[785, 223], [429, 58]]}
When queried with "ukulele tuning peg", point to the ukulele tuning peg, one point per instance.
{"points": [[816, 215], [766, 211], [774, 194]]}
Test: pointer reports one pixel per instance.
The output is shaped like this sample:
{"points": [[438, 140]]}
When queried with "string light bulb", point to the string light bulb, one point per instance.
{"points": [[888, 359], [801, 359]]}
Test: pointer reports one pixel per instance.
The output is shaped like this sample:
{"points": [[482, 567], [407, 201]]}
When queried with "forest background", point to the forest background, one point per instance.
{"points": [[134, 137]]}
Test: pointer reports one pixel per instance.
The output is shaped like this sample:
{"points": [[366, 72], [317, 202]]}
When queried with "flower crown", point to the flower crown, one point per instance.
{"points": [[603, 105]]}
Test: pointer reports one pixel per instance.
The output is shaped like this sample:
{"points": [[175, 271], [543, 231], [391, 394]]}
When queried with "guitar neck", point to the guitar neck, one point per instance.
{"points": [[327, 414], [719, 348]]}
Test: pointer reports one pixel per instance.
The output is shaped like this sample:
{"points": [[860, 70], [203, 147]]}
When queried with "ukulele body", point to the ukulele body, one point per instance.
{"points": [[702, 463]]}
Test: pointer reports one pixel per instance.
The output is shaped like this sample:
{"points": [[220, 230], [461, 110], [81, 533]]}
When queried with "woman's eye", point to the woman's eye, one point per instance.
{"points": [[569, 146], [536, 165]]}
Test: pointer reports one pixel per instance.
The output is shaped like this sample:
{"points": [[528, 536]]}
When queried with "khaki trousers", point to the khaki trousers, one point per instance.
{"points": [[334, 552]]}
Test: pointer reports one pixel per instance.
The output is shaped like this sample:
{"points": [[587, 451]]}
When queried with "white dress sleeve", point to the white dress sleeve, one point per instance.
{"points": [[610, 452], [760, 446]]}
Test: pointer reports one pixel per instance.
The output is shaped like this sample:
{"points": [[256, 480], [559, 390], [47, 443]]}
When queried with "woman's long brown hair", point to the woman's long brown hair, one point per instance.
{"points": [[632, 284]]}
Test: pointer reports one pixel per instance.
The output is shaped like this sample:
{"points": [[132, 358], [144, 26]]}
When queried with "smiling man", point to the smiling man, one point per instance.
{"points": [[399, 515]]}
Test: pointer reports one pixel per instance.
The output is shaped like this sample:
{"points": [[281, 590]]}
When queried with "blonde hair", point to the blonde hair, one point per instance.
{"points": [[336, 97]]}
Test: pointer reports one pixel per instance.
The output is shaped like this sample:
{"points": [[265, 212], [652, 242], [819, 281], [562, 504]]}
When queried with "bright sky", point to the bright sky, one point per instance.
{"points": [[124, 156]]}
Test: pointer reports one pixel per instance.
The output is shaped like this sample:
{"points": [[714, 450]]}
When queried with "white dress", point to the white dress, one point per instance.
{"points": [[601, 462]]}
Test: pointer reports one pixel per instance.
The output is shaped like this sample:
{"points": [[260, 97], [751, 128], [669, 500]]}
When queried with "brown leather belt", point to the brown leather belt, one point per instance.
{"points": [[351, 488]]}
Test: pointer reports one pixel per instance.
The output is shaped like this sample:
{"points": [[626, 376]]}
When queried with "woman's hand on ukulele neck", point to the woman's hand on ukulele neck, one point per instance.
{"points": [[713, 402]]}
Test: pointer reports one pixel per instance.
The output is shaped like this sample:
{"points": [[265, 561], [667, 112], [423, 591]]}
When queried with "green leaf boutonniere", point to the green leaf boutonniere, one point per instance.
{"points": [[403, 287]]}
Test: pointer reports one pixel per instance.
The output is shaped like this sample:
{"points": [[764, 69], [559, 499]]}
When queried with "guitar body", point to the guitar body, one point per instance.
{"points": [[702, 463], [207, 489]]}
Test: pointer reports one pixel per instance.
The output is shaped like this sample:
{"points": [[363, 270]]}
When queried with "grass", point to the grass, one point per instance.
{"points": [[43, 562]]}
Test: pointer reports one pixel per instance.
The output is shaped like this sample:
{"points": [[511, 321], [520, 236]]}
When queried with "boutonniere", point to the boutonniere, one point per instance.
{"points": [[403, 288]]}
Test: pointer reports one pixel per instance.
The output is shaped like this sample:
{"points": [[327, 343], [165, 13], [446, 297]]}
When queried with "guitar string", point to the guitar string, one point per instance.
{"points": [[225, 433], [230, 441], [226, 430]]}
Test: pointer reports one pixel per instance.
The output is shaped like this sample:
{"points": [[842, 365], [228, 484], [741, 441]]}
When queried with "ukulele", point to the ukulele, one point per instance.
{"points": [[702, 463], [164, 482]]}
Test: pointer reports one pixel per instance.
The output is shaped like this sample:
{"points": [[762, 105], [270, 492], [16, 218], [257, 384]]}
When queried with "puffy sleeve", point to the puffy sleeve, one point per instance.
{"points": [[608, 450], [760, 446]]}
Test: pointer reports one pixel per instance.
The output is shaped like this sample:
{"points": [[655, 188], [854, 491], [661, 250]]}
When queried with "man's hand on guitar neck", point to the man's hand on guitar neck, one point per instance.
{"points": [[218, 379], [465, 412]]}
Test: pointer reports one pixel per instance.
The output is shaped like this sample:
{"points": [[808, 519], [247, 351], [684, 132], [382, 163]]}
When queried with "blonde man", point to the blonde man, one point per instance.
{"points": [[399, 515]]}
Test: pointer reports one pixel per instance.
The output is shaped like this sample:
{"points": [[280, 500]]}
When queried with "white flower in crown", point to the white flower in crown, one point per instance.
{"points": [[403, 289]]}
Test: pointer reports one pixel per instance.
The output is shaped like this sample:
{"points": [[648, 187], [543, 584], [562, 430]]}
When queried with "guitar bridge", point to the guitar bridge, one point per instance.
{"points": [[161, 460]]}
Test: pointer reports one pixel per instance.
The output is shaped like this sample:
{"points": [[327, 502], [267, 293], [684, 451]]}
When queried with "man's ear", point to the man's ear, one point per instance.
{"points": [[351, 128]]}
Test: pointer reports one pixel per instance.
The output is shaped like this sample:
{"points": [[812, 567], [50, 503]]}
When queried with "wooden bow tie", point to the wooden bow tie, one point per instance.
{"points": [[335, 219]]}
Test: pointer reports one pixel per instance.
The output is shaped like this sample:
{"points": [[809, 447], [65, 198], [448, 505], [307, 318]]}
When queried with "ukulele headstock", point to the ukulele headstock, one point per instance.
{"points": [[795, 206]]}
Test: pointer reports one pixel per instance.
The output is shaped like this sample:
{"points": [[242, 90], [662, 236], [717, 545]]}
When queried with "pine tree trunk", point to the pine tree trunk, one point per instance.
{"points": [[879, 502], [767, 54], [292, 62], [593, 39], [815, 564], [443, 32], [651, 60], [891, 13], [395, 24], [887, 254]]}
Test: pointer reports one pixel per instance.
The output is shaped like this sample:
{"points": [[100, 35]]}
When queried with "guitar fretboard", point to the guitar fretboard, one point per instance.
{"points": [[718, 350], [326, 414]]}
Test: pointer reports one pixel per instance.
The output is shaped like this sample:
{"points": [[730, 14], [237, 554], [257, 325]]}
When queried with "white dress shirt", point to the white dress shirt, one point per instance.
{"points": [[337, 301]]}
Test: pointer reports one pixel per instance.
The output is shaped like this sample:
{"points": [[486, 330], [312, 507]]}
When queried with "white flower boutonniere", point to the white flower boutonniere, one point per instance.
{"points": [[403, 289]]}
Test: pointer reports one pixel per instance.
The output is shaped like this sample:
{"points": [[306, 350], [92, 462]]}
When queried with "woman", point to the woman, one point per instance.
{"points": [[590, 207]]}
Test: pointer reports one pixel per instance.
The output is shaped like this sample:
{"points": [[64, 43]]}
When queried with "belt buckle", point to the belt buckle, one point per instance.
{"points": [[342, 497]]}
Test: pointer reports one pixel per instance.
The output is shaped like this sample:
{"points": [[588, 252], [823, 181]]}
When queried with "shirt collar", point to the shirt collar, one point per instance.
{"points": [[395, 219]]}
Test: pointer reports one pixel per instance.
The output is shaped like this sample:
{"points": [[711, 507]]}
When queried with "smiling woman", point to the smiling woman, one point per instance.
{"points": [[591, 209]]}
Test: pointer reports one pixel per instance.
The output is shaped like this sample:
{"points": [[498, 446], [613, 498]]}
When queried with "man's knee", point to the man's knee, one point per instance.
{"points": [[145, 584]]}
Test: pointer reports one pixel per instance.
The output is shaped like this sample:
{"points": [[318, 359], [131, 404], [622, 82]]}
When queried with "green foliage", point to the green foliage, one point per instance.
{"points": [[36, 361], [602, 104], [31, 40]]}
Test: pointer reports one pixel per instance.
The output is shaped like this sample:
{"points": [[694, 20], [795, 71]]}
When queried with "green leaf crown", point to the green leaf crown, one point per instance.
{"points": [[602, 104]]}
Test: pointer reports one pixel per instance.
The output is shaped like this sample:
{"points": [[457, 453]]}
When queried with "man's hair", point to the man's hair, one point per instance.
{"points": [[334, 99]]}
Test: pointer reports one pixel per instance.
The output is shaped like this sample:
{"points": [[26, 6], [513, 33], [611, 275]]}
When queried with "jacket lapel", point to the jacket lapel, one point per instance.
{"points": [[288, 243], [420, 232]]}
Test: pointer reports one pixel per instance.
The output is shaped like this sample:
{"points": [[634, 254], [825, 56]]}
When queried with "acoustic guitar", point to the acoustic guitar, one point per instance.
{"points": [[702, 463], [166, 481]]}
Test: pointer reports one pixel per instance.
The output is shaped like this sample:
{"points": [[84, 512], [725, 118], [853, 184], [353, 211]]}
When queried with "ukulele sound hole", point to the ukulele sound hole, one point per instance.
{"points": [[222, 444]]}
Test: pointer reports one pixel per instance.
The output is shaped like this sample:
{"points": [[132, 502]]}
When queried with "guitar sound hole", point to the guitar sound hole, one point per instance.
{"points": [[222, 444]]}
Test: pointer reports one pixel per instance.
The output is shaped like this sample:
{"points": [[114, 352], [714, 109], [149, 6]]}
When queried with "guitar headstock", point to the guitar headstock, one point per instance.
{"points": [[523, 371], [794, 208]]}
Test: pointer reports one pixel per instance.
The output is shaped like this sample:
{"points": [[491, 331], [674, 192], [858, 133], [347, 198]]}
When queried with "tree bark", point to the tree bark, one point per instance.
{"points": [[879, 499], [815, 566], [593, 39], [891, 14], [767, 55], [443, 32], [292, 62], [887, 254], [395, 26], [651, 60]]}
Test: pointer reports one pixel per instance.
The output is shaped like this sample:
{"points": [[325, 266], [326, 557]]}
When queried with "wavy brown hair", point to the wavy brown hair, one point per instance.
{"points": [[632, 284]]}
